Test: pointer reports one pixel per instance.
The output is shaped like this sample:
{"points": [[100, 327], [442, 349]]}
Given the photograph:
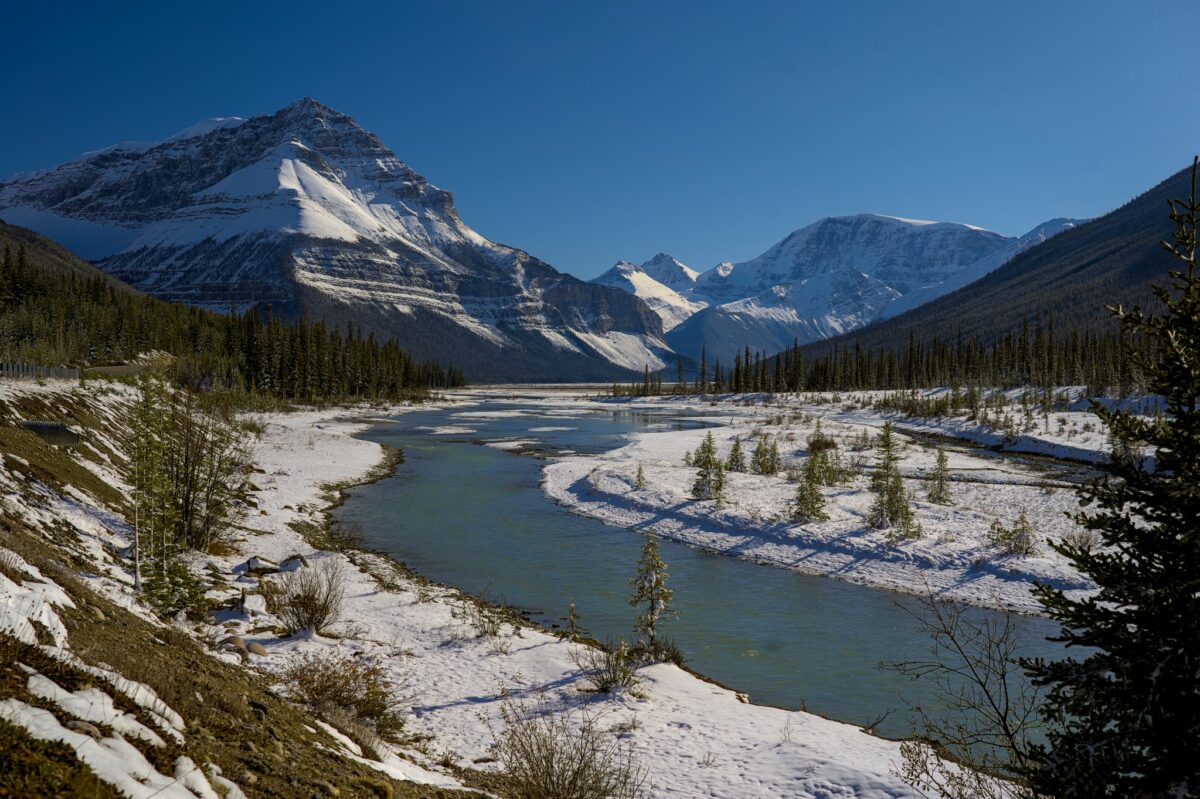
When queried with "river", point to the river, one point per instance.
{"points": [[473, 517]]}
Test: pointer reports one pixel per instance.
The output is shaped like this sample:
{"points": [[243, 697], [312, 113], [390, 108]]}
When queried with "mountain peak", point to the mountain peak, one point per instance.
{"points": [[303, 208]]}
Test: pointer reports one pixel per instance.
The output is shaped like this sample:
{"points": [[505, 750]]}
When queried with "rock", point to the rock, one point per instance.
{"points": [[257, 567], [377, 788], [90, 730], [249, 778], [234, 642], [328, 787], [97, 613], [71, 623], [255, 648], [294, 563], [250, 747]]}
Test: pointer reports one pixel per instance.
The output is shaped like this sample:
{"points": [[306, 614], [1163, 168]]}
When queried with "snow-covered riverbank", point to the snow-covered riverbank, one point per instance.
{"points": [[954, 556], [695, 738], [461, 665]]}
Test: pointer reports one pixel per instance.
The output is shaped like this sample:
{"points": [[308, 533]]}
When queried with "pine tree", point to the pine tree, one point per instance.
{"points": [[710, 481], [890, 511], [766, 457], [650, 588], [640, 480], [1124, 720], [737, 460], [939, 482], [810, 503]]}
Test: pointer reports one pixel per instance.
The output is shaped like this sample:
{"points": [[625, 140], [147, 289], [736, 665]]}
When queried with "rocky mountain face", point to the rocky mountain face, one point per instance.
{"points": [[828, 278], [306, 211], [663, 283]]}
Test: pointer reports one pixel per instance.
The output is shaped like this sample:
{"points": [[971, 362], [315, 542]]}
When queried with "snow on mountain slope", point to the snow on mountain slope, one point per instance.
{"points": [[662, 283], [304, 210], [837, 275]]}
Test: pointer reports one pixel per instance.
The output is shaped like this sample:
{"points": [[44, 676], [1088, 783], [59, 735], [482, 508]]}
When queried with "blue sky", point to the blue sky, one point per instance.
{"points": [[588, 132]]}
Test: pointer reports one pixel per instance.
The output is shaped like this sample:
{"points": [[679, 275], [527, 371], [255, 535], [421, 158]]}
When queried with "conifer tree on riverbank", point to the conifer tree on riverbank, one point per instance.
{"points": [[650, 588], [1124, 720], [710, 481], [890, 511], [939, 482], [810, 503]]}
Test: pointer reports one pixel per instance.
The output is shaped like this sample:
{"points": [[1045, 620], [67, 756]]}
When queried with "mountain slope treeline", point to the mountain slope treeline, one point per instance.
{"points": [[1072, 276], [1034, 355], [57, 309]]}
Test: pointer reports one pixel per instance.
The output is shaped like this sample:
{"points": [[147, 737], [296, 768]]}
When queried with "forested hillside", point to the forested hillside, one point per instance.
{"points": [[56, 309], [1068, 278]]}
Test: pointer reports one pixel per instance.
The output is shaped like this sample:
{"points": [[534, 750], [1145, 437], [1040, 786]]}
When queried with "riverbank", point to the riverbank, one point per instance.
{"points": [[694, 737], [108, 699], [954, 556], [460, 663]]}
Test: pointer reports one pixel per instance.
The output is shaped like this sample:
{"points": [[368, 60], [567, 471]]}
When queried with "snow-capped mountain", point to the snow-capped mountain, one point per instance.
{"points": [[836, 275], [305, 210], [663, 283]]}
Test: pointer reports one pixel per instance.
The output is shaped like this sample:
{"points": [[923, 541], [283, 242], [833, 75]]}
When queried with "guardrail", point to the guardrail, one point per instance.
{"points": [[25, 371]]}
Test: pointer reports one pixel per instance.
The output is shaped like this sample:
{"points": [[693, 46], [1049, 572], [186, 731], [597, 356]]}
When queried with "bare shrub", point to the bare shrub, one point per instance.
{"points": [[341, 536], [485, 620], [311, 598], [352, 692], [978, 744], [554, 756], [1081, 538], [609, 669]]}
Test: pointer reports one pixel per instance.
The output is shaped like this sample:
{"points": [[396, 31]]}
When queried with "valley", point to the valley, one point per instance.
{"points": [[879, 479]]}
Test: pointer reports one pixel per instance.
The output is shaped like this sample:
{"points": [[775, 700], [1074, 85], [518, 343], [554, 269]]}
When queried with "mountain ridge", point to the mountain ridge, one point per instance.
{"points": [[306, 211], [832, 276], [1070, 277]]}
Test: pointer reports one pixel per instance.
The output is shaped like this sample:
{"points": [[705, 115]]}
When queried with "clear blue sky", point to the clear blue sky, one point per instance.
{"points": [[587, 132]]}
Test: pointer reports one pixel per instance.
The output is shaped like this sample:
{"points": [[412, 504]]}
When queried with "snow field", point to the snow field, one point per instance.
{"points": [[953, 557]]}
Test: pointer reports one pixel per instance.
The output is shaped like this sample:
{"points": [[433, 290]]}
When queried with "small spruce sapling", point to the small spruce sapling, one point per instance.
{"points": [[939, 483], [710, 480], [810, 504], [891, 510], [737, 459], [650, 589]]}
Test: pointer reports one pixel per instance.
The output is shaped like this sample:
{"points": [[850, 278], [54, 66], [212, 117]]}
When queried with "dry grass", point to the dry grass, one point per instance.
{"points": [[352, 692], [607, 669]]}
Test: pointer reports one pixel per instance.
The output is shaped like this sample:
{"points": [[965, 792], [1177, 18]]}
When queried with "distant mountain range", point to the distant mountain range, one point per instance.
{"points": [[833, 276], [305, 211], [1070, 278]]}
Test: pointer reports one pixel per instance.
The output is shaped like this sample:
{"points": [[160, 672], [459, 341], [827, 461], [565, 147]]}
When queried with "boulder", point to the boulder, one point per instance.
{"points": [[257, 567], [233, 642], [255, 648], [294, 563], [90, 730]]}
